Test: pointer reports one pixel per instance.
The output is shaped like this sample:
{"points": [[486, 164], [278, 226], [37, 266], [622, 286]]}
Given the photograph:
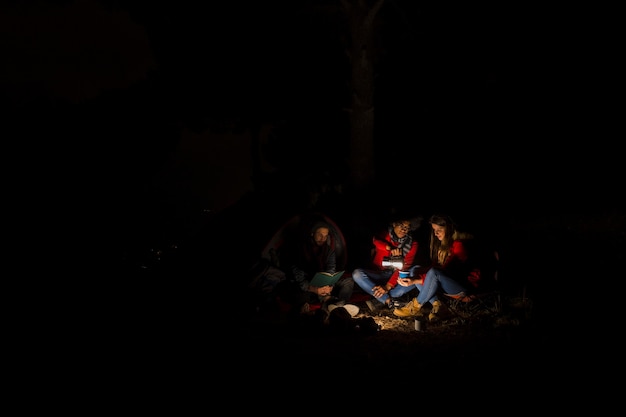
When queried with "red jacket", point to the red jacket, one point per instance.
{"points": [[459, 266], [383, 240]]}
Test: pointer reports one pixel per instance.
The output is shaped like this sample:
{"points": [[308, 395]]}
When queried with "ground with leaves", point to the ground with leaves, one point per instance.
{"points": [[458, 332], [188, 322], [538, 330]]}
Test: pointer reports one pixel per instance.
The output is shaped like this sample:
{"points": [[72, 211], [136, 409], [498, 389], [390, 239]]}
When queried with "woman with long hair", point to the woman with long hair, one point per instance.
{"points": [[452, 270]]}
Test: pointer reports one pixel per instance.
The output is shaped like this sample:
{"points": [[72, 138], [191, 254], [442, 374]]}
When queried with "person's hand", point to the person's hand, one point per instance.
{"points": [[379, 291], [405, 282], [325, 290]]}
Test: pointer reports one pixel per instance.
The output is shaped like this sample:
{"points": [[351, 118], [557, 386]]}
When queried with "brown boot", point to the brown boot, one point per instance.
{"points": [[411, 309], [434, 312]]}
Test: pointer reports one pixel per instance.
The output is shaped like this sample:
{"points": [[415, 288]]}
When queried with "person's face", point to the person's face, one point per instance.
{"points": [[402, 229], [439, 231], [321, 236]]}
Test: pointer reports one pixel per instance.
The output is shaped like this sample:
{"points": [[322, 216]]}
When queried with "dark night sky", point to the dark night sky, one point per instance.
{"points": [[102, 89], [443, 71], [436, 63]]}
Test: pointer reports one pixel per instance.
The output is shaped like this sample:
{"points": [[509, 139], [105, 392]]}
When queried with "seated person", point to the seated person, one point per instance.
{"points": [[315, 253], [381, 280], [452, 270]]}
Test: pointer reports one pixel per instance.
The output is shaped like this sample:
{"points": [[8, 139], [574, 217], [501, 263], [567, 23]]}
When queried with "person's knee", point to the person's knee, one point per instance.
{"points": [[346, 283], [358, 275]]}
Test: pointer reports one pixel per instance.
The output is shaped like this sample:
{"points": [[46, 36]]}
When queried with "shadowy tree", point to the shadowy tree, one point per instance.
{"points": [[360, 49]]}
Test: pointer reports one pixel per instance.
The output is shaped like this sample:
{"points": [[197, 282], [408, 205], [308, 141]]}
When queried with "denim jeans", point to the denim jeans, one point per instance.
{"points": [[436, 279], [368, 279]]}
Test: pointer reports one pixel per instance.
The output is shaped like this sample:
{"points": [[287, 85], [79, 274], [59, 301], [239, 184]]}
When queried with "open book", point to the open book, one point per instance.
{"points": [[321, 279]]}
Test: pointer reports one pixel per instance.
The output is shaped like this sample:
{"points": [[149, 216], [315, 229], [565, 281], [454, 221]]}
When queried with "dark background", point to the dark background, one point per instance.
{"points": [[503, 115], [493, 111]]}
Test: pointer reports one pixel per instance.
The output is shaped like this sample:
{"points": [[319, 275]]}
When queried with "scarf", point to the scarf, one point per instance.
{"points": [[404, 243]]}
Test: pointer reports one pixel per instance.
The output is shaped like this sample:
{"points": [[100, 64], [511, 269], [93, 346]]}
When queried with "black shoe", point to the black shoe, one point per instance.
{"points": [[397, 304], [374, 305]]}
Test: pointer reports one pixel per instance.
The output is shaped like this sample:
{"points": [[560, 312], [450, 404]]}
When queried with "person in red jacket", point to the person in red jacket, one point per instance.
{"points": [[452, 271], [380, 278]]}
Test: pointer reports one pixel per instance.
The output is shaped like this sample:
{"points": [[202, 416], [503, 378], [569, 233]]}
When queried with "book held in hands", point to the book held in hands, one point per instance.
{"points": [[321, 279]]}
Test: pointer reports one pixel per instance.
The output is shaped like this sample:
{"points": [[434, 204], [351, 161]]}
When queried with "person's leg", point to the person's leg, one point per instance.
{"points": [[368, 279], [450, 286], [436, 279], [428, 292], [399, 290], [343, 289]]}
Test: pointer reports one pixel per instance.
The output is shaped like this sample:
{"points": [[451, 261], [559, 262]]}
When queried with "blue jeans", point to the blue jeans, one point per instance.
{"points": [[436, 279], [368, 279]]}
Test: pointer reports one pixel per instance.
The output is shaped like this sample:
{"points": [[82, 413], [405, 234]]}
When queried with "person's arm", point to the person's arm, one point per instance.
{"points": [[415, 279], [409, 259], [381, 244], [474, 277], [474, 273], [393, 280], [382, 248], [331, 262], [301, 278], [459, 263], [407, 262], [458, 253], [304, 282]]}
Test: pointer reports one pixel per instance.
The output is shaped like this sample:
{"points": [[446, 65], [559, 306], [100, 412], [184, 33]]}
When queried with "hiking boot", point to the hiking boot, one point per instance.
{"points": [[411, 309], [434, 312]]}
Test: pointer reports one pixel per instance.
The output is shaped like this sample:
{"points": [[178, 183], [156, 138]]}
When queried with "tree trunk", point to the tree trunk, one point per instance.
{"points": [[360, 51]]}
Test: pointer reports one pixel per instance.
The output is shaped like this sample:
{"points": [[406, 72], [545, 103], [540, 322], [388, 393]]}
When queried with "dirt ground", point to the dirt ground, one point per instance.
{"points": [[536, 332], [192, 327], [483, 335]]}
